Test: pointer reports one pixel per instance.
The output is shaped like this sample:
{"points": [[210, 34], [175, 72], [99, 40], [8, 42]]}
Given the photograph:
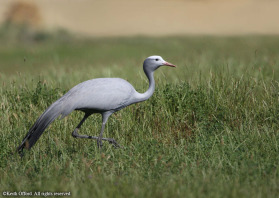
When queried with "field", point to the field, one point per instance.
{"points": [[209, 130]]}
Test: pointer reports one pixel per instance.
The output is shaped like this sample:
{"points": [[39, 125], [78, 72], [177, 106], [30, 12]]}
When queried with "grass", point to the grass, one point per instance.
{"points": [[210, 129]]}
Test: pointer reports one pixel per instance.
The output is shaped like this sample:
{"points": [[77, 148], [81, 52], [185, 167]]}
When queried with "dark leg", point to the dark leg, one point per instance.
{"points": [[75, 133]]}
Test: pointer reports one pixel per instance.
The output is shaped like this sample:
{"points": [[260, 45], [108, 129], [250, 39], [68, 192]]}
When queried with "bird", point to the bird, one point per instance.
{"points": [[101, 95]]}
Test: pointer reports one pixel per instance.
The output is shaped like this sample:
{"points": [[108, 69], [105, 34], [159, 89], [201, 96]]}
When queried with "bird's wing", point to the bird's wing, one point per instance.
{"points": [[103, 94]]}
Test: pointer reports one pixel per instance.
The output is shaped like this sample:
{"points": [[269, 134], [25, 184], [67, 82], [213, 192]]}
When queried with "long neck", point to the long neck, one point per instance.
{"points": [[144, 96]]}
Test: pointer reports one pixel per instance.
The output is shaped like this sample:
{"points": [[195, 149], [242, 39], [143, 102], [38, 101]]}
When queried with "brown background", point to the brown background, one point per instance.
{"points": [[158, 17]]}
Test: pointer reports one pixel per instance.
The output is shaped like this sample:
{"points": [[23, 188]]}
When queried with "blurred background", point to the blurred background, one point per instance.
{"points": [[146, 17], [39, 35]]}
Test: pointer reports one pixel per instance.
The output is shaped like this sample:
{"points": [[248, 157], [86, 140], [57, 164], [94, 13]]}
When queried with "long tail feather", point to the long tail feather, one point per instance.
{"points": [[40, 125]]}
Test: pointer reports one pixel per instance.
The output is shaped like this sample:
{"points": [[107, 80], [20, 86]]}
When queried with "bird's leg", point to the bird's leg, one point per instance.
{"points": [[110, 140], [75, 133], [105, 117], [100, 138]]}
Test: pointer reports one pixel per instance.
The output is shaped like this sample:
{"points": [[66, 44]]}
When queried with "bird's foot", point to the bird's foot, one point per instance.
{"points": [[99, 139], [113, 142]]}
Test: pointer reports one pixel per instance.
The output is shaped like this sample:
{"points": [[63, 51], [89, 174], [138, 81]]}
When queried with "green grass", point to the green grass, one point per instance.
{"points": [[210, 129]]}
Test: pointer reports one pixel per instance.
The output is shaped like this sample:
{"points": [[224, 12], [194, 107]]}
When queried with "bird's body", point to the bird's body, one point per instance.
{"points": [[101, 95], [89, 96]]}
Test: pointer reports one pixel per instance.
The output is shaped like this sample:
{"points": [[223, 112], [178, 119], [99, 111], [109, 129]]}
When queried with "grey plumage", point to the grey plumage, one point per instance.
{"points": [[101, 95], [40, 125]]}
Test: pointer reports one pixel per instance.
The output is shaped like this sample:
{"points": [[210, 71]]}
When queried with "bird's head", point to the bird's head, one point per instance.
{"points": [[154, 62]]}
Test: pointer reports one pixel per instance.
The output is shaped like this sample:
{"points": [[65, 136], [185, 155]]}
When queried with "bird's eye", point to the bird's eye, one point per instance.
{"points": [[156, 59]]}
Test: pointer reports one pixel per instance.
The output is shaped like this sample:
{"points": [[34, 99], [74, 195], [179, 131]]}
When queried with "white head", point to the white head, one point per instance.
{"points": [[154, 62]]}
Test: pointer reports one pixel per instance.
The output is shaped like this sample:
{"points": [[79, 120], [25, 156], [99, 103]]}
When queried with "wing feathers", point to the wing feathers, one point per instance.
{"points": [[40, 125]]}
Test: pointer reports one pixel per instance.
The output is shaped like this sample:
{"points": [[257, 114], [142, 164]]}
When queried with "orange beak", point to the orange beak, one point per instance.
{"points": [[169, 64]]}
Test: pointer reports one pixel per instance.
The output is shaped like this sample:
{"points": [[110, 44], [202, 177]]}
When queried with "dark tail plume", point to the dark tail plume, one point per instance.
{"points": [[39, 126]]}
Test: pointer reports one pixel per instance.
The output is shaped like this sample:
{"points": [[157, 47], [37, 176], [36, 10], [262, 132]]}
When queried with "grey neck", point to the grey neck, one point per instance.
{"points": [[144, 96]]}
